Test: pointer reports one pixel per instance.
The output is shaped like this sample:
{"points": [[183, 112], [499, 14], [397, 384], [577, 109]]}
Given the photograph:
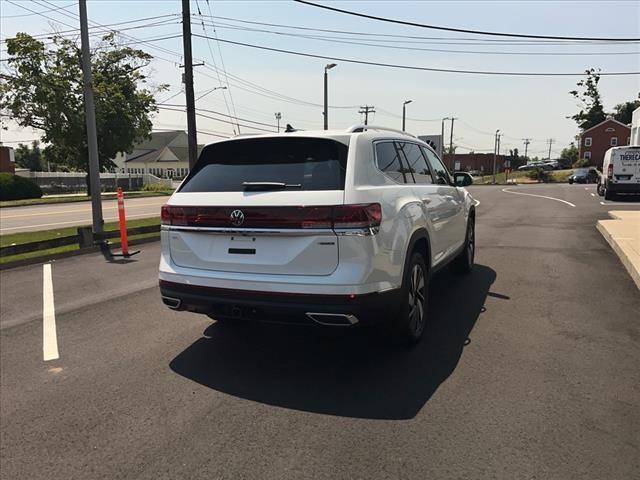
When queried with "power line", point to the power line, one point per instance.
{"points": [[350, 41], [463, 41], [415, 67], [224, 115], [64, 7], [462, 30], [198, 112]]}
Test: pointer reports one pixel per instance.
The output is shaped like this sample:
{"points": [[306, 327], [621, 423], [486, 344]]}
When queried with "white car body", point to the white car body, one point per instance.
{"points": [[345, 262]]}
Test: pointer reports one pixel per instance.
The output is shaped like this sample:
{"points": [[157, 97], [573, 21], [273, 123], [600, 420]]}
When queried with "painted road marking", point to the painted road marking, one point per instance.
{"points": [[49, 336], [82, 210], [73, 222], [540, 196], [477, 202], [592, 194]]}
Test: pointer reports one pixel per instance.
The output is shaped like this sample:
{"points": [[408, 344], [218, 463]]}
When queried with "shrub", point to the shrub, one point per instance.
{"points": [[13, 187], [539, 174], [583, 162]]}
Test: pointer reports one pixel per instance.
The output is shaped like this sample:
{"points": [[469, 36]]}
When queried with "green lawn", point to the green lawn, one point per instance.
{"points": [[26, 237], [54, 199]]}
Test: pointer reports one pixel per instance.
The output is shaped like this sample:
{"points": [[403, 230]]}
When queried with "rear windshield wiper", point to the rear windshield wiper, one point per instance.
{"points": [[269, 185]]}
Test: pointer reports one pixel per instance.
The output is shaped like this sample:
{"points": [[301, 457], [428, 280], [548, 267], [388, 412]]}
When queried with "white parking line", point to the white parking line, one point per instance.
{"points": [[49, 335], [592, 194], [539, 196], [75, 222]]}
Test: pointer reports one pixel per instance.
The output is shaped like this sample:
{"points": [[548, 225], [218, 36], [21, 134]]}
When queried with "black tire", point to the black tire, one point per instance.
{"points": [[609, 195], [571, 181], [463, 263], [600, 189], [409, 326]]}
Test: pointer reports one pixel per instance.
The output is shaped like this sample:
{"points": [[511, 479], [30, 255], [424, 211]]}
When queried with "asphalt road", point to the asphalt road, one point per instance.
{"points": [[529, 370], [61, 215]]}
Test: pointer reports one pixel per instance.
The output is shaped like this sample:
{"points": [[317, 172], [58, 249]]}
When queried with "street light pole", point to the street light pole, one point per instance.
{"points": [[90, 114], [327, 67], [404, 113], [278, 117], [495, 150], [442, 138], [210, 91]]}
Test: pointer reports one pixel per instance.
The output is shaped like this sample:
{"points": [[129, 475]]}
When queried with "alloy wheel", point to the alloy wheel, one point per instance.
{"points": [[416, 300]]}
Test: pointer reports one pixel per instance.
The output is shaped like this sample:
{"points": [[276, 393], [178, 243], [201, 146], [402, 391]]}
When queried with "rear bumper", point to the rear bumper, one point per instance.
{"points": [[343, 310], [623, 187]]}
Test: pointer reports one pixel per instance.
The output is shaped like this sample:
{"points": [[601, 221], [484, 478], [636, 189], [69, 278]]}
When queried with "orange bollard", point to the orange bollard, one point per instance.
{"points": [[123, 224]]}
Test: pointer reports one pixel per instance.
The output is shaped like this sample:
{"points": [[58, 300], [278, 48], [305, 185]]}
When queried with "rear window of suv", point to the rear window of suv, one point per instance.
{"points": [[301, 163]]}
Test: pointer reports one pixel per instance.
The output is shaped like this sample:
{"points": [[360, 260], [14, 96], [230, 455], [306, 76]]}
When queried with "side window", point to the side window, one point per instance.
{"points": [[388, 161], [416, 163], [439, 170]]}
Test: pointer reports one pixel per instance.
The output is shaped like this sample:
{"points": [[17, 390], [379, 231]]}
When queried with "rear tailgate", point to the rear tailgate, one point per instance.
{"points": [[280, 238], [218, 222]]}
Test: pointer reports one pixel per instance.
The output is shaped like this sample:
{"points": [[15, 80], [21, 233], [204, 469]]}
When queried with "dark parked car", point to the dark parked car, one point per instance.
{"points": [[584, 175]]}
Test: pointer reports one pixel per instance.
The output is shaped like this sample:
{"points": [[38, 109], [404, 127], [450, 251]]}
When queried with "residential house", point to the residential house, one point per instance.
{"points": [[595, 141], [165, 155]]}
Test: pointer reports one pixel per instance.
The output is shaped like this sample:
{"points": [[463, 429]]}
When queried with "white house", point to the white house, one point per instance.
{"points": [[165, 155]]}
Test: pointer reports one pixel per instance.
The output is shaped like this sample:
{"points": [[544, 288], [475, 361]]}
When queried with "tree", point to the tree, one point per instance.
{"points": [[45, 91], [569, 154], [591, 110], [624, 111], [30, 158]]}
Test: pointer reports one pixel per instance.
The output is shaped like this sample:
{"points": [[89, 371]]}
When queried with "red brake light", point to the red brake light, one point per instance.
{"points": [[357, 216], [610, 171], [340, 216]]}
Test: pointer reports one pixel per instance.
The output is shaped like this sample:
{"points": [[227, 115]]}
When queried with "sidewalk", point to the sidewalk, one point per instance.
{"points": [[623, 234]]}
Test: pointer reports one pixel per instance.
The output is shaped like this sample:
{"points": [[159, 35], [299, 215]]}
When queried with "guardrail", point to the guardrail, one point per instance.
{"points": [[84, 238]]}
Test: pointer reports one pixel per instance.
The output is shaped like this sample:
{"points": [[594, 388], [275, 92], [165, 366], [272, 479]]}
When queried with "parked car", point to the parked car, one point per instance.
{"points": [[337, 228], [584, 175], [532, 165], [621, 172]]}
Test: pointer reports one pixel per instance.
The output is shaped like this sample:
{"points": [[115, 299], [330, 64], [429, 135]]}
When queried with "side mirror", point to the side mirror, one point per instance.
{"points": [[462, 179]]}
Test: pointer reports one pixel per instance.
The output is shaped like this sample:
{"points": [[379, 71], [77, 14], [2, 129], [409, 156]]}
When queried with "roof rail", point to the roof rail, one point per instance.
{"points": [[361, 128]]}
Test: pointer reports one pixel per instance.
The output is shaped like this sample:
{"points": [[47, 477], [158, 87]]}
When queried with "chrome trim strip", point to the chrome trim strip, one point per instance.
{"points": [[352, 319], [252, 231], [358, 232]]}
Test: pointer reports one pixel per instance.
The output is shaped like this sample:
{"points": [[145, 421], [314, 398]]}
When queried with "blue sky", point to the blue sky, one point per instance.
{"points": [[533, 107]]}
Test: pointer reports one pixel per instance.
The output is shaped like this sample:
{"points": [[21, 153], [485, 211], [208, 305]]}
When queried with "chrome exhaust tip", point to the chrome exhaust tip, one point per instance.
{"points": [[172, 303], [333, 319]]}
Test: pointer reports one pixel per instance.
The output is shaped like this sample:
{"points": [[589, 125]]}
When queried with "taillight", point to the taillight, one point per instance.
{"points": [[610, 171], [357, 216], [340, 216]]}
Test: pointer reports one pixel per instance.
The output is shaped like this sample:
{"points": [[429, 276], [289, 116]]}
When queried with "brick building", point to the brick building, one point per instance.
{"points": [[7, 160], [595, 141], [481, 162]]}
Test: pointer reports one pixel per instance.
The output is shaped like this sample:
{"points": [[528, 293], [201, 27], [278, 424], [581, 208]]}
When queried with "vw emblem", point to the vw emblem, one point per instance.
{"points": [[237, 218]]}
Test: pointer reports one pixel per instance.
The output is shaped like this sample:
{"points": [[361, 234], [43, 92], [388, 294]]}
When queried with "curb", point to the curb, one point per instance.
{"points": [[628, 263], [57, 256]]}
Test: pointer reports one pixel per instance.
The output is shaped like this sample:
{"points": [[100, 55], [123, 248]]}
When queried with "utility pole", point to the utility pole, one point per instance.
{"points": [[327, 67], [550, 141], [278, 117], [188, 84], [527, 141], [442, 138], [404, 113], [367, 110], [453, 155], [90, 114], [496, 148]]}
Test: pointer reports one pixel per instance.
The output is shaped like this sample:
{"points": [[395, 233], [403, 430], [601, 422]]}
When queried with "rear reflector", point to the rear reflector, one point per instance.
{"points": [[610, 171], [339, 216]]}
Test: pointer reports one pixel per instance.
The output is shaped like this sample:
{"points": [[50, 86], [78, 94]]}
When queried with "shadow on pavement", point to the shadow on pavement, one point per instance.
{"points": [[351, 373]]}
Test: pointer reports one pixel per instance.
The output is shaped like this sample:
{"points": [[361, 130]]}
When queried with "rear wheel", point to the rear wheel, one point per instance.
{"points": [[410, 325], [463, 263], [608, 194], [600, 189]]}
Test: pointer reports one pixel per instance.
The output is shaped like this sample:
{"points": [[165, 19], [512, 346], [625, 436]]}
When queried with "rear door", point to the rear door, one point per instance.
{"points": [[261, 205], [626, 165]]}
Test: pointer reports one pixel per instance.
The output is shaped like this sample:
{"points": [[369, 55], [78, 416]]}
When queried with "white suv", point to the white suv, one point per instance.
{"points": [[333, 228]]}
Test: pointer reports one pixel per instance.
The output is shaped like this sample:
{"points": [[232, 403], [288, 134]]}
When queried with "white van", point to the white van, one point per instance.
{"points": [[620, 172]]}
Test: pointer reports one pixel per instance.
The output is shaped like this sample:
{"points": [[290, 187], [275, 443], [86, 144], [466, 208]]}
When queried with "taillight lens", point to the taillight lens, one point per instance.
{"points": [[610, 171], [339, 216], [357, 216]]}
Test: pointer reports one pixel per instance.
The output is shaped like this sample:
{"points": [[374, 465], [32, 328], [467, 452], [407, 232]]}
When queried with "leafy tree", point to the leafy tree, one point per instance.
{"points": [[569, 154], [45, 91], [591, 110], [30, 158], [450, 151], [624, 111]]}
